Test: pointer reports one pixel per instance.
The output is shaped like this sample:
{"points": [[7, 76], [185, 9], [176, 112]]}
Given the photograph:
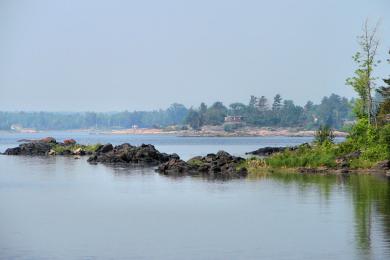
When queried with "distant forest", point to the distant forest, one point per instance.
{"points": [[333, 111]]}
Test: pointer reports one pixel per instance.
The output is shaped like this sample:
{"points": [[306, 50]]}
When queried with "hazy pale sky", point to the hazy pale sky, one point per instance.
{"points": [[135, 55]]}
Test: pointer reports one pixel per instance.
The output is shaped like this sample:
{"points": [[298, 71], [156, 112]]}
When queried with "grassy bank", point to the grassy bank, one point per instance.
{"points": [[363, 148]]}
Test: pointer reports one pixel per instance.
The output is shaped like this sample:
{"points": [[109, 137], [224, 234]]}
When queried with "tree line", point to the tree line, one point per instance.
{"points": [[333, 111]]}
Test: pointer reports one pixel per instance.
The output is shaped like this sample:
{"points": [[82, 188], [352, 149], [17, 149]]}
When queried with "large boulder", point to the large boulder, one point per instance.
{"points": [[213, 166], [146, 155]]}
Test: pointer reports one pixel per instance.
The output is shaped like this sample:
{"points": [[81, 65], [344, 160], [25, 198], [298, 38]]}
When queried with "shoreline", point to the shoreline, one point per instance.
{"points": [[207, 131]]}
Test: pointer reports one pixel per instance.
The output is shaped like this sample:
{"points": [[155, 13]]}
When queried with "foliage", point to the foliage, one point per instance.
{"points": [[363, 81], [232, 127], [88, 148], [304, 156], [193, 118], [323, 135], [384, 104], [332, 110]]}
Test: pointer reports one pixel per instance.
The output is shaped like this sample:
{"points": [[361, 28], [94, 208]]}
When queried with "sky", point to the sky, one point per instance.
{"points": [[141, 55]]}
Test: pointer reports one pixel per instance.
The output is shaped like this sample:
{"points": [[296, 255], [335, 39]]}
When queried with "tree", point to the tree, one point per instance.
{"points": [[384, 104], [237, 109], [324, 135], [252, 102], [176, 113], [262, 104], [277, 104], [363, 82], [193, 119], [215, 114], [202, 113]]}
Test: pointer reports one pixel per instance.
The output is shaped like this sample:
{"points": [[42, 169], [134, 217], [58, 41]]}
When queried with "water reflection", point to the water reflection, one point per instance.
{"points": [[369, 195]]}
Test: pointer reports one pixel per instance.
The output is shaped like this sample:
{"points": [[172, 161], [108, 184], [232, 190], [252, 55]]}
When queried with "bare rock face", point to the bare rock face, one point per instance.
{"points": [[126, 154], [213, 166]]}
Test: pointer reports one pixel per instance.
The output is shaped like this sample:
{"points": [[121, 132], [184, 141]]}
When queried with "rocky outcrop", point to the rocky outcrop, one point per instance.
{"points": [[267, 151], [213, 166], [36, 148], [145, 155], [48, 146]]}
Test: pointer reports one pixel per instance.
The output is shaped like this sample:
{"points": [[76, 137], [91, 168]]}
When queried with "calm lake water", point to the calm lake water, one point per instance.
{"points": [[62, 208]]}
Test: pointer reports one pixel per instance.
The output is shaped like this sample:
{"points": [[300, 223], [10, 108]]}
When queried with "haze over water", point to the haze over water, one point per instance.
{"points": [[62, 208]]}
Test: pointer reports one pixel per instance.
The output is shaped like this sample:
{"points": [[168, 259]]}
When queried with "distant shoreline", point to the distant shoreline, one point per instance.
{"points": [[207, 131]]}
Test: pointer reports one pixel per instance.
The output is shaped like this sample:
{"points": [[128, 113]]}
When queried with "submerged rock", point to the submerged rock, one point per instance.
{"points": [[214, 166], [146, 155]]}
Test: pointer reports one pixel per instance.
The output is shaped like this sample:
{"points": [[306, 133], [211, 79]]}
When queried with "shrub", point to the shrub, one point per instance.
{"points": [[324, 135]]}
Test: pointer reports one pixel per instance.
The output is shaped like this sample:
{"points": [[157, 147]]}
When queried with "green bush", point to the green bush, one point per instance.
{"points": [[304, 157], [324, 134]]}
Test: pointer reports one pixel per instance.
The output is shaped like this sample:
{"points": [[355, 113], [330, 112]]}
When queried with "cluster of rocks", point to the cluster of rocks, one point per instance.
{"points": [[145, 155], [34, 148], [214, 166], [47, 146]]}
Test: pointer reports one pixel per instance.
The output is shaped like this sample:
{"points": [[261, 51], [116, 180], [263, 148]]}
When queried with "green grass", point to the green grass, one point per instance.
{"points": [[88, 148], [195, 162], [303, 157]]}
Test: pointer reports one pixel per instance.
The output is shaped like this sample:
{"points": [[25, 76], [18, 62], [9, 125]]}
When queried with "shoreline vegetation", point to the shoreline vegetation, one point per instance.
{"points": [[320, 157], [367, 145]]}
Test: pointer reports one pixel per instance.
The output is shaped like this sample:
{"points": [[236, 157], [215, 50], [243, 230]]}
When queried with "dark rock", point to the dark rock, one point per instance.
{"points": [[353, 155], [213, 166], [174, 167], [66, 152], [382, 166], [313, 170], [266, 151], [107, 148], [38, 148], [146, 155]]}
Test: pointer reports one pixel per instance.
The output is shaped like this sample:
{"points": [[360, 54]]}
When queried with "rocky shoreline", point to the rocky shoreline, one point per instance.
{"points": [[221, 165], [213, 166]]}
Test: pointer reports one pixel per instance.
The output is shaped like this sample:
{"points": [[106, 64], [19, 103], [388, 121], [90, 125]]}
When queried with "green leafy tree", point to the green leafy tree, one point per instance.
{"points": [[215, 115], [237, 109], [193, 118], [364, 82]]}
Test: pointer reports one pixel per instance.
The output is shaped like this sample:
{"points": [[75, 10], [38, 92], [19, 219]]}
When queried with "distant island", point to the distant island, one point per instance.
{"points": [[259, 117]]}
